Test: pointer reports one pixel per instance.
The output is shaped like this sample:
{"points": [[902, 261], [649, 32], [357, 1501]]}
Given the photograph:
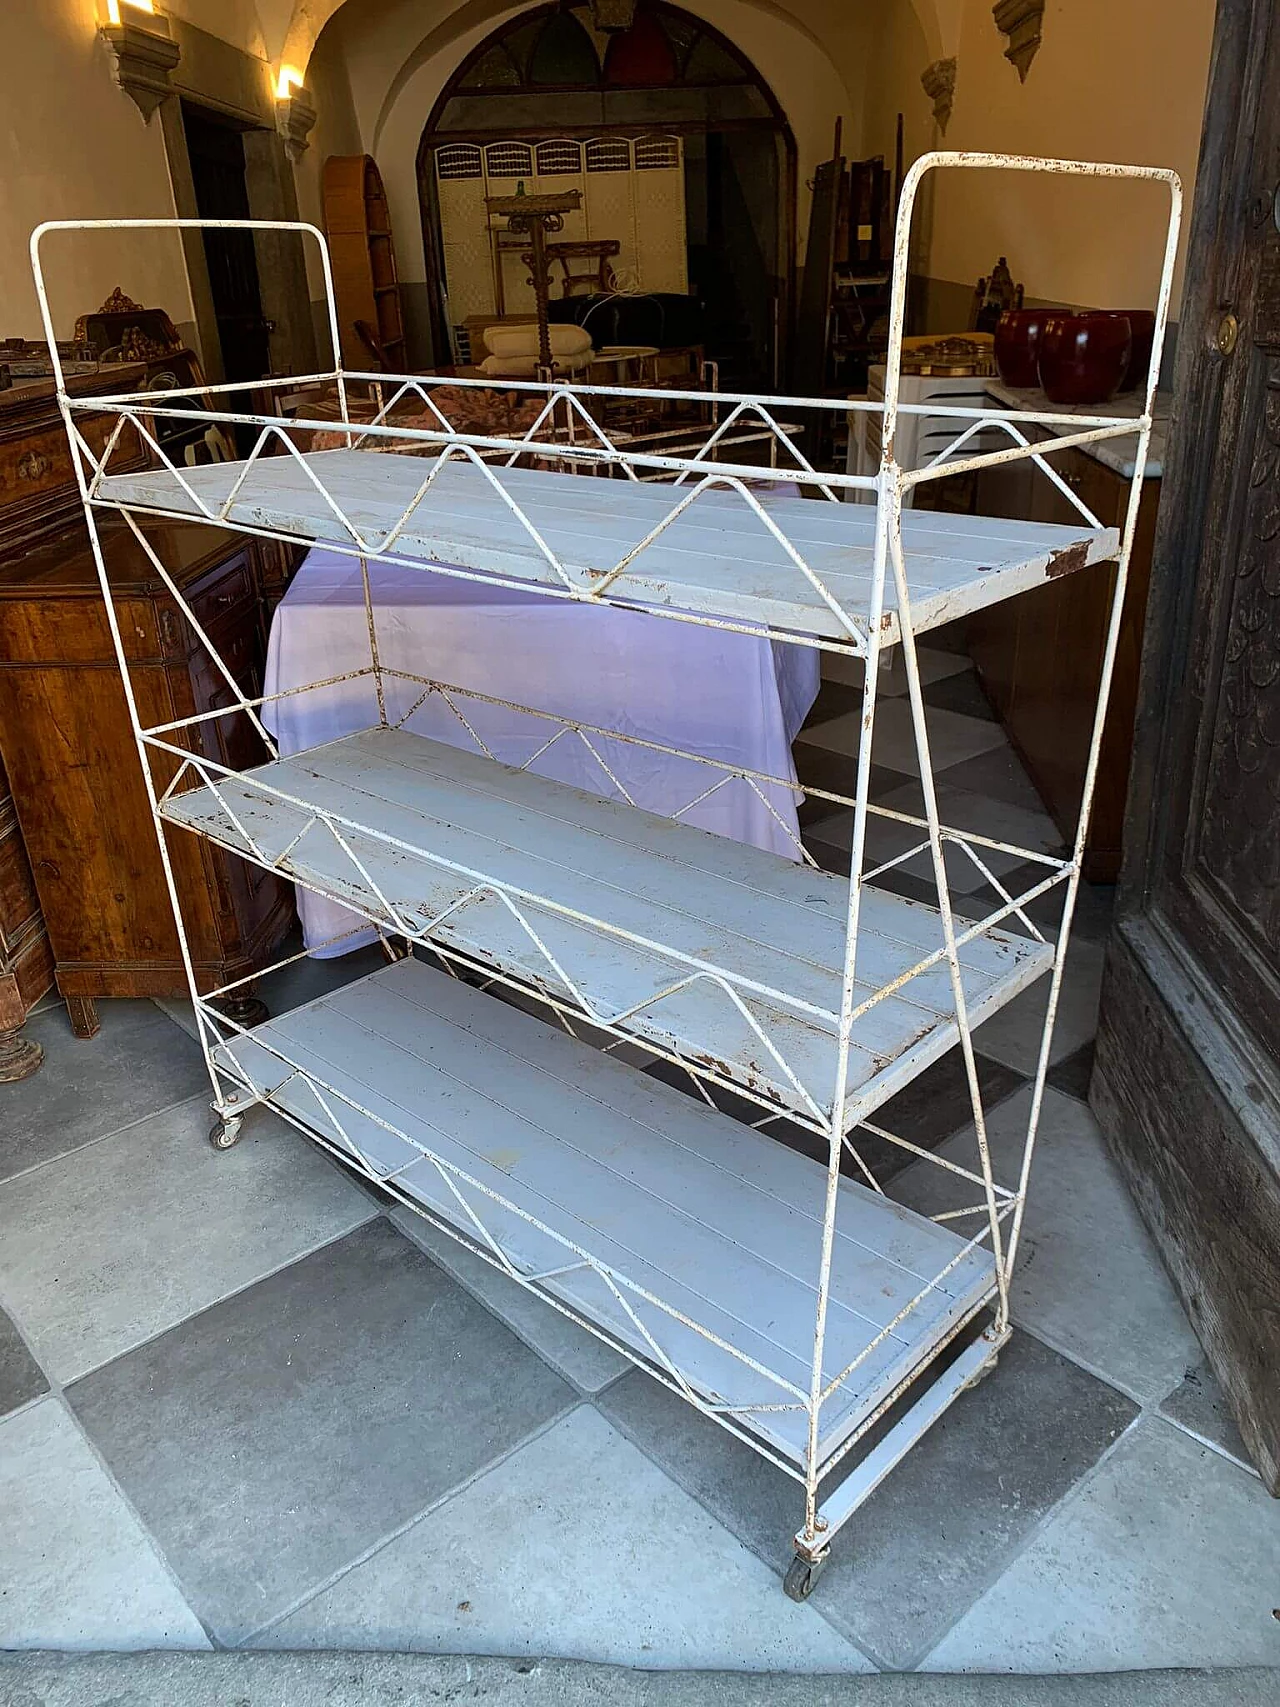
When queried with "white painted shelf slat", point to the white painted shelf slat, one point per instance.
{"points": [[717, 559], [602, 884], [718, 1221]]}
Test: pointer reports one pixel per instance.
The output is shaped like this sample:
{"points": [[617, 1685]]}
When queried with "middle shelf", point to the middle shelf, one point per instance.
{"points": [[721, 953]]}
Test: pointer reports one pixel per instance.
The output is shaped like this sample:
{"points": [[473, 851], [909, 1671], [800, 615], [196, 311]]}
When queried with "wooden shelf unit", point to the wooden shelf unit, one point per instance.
{"points": [[357, 222]]}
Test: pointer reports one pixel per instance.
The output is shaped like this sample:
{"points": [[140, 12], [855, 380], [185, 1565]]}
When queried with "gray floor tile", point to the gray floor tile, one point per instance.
{"points": [[137, 1063], [269, 1441], [888, 838], [1089, 1278], [76, 1569], [834, 699], [579, 1356], [1095, 909], [1027, 827], [959, 692], [575, 1545], [301, 981], [819, 767], [951, 637], [109, 1247], [21, 1377], [937, 1530], [1199, 1404], [997, 773], [1072, 1074], [1014, 1034], [1166, 1558], [952, 737]]}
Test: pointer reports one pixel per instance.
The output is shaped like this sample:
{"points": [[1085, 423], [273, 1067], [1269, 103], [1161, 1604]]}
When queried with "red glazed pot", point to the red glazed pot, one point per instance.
{"points": [[1017, 346], [1142, 324], [1084, 357]]}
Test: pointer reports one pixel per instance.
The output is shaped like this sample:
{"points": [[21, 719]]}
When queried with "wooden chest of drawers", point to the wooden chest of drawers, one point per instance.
{"points": [[83, 901], [73, 768]]}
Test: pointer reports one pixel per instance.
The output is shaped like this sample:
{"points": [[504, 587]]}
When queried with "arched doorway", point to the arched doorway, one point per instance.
{"points": [[679, 149]]}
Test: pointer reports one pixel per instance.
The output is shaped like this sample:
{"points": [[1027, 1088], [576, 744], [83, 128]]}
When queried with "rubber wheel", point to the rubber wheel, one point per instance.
{"points": [[802, 1577], [224, 1133]]}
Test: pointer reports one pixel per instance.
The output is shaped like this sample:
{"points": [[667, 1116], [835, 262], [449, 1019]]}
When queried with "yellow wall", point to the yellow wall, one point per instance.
{"points": [[1113, 80], [72, 146]]}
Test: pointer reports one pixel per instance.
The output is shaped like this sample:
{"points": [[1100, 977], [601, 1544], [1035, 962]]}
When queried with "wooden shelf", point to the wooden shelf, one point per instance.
{"points": [[696, 1209], [598, 882], [717, 558]]}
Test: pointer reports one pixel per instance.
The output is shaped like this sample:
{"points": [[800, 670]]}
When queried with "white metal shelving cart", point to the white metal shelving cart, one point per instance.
{"points": [[794, 1301]]}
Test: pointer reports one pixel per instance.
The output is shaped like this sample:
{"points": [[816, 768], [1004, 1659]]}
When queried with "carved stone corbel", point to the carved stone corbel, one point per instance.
{"points": [[295, 119], [939, 83], [144, 54], [1019, 20]]}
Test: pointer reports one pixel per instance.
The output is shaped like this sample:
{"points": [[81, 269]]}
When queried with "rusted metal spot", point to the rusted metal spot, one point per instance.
{"points": [[1068, 560]]}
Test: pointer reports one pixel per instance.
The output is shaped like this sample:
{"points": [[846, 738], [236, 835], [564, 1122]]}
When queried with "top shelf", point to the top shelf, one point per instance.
{"points": [[717, 559]]}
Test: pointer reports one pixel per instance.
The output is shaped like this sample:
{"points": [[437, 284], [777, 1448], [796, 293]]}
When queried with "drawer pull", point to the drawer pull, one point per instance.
{"points": [[33, 466]]}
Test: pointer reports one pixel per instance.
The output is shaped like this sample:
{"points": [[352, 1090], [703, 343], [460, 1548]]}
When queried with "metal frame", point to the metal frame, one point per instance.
{"points": [[566, 436]]}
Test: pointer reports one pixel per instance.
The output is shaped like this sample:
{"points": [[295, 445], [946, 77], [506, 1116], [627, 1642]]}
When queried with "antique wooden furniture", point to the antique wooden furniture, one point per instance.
{"points": [[38, 501], [69, 751], [26, 959], [533, 217], [1187, 1082], [1040, 658], [596, 276], [357, 222], [74, 821]]}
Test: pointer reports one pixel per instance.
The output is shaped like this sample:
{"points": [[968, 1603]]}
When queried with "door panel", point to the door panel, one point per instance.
{"points": [[1187, 1083]]}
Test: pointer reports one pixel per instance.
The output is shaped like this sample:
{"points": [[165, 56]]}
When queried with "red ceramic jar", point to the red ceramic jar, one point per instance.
{"points": [[1017, 346], [1084, 357], [1142, 324]]}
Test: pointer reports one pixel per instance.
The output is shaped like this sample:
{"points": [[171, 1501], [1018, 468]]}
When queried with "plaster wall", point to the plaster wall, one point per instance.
{"points": [[1110, 81], [74, 146]]}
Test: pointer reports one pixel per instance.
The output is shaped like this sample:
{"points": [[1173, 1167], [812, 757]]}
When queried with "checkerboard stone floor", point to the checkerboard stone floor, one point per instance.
{"points": [[242, 1403]]}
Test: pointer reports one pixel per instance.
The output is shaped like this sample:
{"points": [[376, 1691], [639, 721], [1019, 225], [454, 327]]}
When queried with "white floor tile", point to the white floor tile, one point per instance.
{"points": [[934, 666], [1014, 1034], [577, 1355], [952, 736], [962, 809], [888, 838], [1090, 1281], [111, 1245], [76, 1568], [577, 1546], [1167, 1557]]}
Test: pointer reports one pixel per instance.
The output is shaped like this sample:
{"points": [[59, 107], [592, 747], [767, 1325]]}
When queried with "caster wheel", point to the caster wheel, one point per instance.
{"points": [[224, 1133], [802, 1576]]}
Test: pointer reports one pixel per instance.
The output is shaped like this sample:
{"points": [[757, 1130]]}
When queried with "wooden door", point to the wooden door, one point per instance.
{"points": [[216, 151], [1188, 1079]]}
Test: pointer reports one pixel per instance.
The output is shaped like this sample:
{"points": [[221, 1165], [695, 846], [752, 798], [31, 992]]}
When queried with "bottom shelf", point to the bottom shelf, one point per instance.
{"points": [[579, 1167]]}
